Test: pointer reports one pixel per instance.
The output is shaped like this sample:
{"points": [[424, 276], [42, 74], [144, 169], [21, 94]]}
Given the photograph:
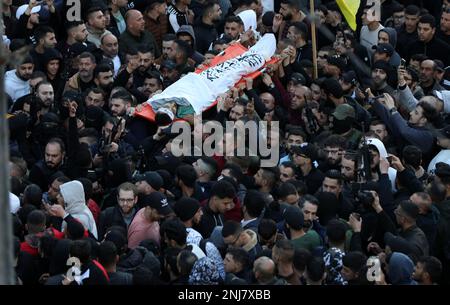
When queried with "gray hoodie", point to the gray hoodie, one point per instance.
{"points": [[196, 56], [395, 58], [75, 205]]}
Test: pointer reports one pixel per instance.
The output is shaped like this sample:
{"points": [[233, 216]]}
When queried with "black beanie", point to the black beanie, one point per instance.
{"points": [[185, 208]]}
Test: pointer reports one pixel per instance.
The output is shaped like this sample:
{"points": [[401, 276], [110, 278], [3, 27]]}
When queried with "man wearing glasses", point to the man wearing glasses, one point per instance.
{"points": [[121, 214]]}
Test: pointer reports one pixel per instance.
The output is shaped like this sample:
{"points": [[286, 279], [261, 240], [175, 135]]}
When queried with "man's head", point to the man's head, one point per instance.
{"points": [[173, 232], [380, 73], [412, 16], [205, 167], [53, 189], [156, 207], [103, 77], [353, 265], [332, 182], [298, 32], [167, 46], [236, 260], [427, 70], [445, 21], [264, 270], [383, 51], [185, 175], [293, 217], [233, 27], [86, 66], [25, 69], [54, 153], [188, 209], [152, 82], [267, 232], [77, 31], [268, 100], [348, 166], [406, 213], [428, 270], [127, 197], [299, 97], [379, 129], [423, 114], [253, 204], [287, 171], [399, 16], [109, 45], [423, 201], [35, 222], [266, 177], [334, 146], [426, 28], [237, 112], [135, 22], [120, 103], [309, 205], [289, 8], [182, 51], [283, 252], [45, 37], [96, 19], [295, 137], [45, 93], [94, 97], [146, 58], [221, 197], [148, 182], [212, 11]]}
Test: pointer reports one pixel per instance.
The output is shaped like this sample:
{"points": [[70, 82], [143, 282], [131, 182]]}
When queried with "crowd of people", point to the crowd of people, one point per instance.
{"points": [[361, 192]]}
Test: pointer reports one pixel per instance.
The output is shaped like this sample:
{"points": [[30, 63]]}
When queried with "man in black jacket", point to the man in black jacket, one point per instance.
{"points": [[205, 30], [220, 201], [121, 214], [428, 44]]}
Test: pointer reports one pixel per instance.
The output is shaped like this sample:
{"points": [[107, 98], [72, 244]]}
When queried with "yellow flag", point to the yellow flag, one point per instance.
{"points": [[349, 8]]}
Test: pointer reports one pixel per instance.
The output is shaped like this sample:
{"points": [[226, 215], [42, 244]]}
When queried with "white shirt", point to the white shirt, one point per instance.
{"points": [[369, 38], [14, 86]]}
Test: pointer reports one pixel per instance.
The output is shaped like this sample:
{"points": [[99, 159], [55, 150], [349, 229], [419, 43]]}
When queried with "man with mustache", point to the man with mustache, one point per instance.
{"points": [[84, 78], [289, 12], [42, 172], [17, 80], [45, 95]]}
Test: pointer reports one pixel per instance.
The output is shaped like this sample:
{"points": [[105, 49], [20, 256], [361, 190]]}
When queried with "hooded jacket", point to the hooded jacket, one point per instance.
{"points": [[392, 173], [196, 56], [395, 58], [75, 204], [401, 268]]}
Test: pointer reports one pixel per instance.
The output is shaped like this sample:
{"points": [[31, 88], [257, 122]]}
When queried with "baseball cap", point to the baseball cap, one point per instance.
{"points": [[305, 149], [344, 111], [298, 78], [157, 201], [384, 48], [152, 178], [294, 217], [350, 77], [21, 10]]}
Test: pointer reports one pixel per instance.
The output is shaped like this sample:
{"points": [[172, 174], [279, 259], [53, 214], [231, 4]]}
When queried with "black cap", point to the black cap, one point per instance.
{"points": [[294, 217], [159, 202], [298, 78], [384, 48], [350, 77], [186, 208], [306, 149], [152, 178]]}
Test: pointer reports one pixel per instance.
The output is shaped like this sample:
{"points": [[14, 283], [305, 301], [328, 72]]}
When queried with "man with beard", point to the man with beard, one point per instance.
{"points": [[121, 214], [53, 161], [146, 60], [45, 94], [120, 104], [444, 29], [190, 213], [153, 82], [46, 39], [348, 167], [265, 180], [84, 78], [96, 25], [428, 271], [17, 80], [426, 77], [289, 12], [333, 147], [110, 47], [233, 27], [167, 48], [103, 78], [205, 30], [380, 71], [76, 33]]}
